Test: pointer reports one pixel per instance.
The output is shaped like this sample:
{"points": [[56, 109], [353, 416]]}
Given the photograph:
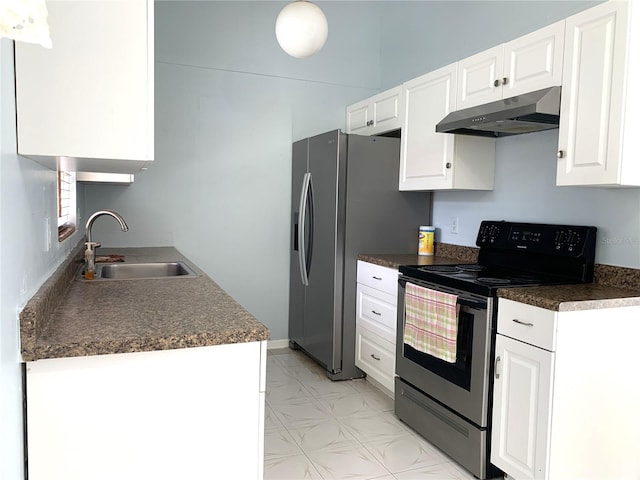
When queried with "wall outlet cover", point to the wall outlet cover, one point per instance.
{"points": [[454, 225]]}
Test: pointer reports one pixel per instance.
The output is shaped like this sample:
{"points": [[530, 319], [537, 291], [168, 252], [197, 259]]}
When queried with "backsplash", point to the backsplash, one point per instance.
{"points": [[621, 277], [525, 191]]}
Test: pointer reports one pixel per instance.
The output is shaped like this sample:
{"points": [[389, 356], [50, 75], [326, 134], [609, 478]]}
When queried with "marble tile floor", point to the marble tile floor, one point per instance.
{"points": [[319, 429]]}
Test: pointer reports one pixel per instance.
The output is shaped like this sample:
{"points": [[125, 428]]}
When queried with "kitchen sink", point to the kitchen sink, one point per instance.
{"points": [[139, 271]]}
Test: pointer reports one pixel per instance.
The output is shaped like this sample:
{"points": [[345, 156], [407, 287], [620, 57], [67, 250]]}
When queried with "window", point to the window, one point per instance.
{"points": [[66, 204]]}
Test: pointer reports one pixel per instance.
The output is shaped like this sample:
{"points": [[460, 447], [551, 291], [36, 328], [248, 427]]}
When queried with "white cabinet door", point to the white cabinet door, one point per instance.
{"points": [[521, 409], [90, 98], [478, 75], [593, 98], [358, 117], [387, 110], [435, 161], [380, 113], [529, 63], [534, 61]]}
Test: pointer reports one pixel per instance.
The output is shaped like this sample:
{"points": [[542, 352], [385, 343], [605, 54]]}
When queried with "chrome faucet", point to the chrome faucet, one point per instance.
{"points": [[90, 251]]}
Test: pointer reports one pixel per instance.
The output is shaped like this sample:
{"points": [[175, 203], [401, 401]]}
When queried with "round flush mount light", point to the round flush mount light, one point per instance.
{"points": [[301, 29]]}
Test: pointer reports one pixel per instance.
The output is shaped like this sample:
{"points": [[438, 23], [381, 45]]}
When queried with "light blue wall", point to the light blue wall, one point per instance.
{"points": [[421, 36], [27, 198], [525, 191], [229, 103]]}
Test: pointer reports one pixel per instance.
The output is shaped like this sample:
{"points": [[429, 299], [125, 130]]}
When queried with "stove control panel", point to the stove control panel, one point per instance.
{"points": [[565, 240]]}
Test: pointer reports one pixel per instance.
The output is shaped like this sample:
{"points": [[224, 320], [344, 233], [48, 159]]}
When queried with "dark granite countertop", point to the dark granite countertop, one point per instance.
{"points": [[565, 298], [394, 261], [119, 316], [445, 254], [614, 286]]}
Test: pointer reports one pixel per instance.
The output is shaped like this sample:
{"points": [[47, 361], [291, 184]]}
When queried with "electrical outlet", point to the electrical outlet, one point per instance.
{"points": [[454, 225]]}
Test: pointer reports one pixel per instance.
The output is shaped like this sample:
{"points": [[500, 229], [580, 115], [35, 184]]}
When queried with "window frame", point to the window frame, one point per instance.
{"points": [[66, 203]]}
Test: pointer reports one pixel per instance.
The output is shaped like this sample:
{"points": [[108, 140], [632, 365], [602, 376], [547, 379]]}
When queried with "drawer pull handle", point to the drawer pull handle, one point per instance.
{"points": [[377, 278], [496, 366], [526, 324], [375, 358], [376, 313]]}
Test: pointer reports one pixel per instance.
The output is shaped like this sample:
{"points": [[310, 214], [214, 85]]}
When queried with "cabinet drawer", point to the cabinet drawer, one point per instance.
{"points": [[375, 356], [533, 325], [376, 310], [380, 278]]}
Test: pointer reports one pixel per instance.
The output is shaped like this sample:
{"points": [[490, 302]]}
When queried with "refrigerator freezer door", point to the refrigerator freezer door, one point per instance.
{"points": [[296, 288]]}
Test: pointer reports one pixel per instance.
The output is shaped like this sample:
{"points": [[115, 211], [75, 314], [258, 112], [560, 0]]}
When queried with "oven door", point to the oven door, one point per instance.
{"points": [[462, 386]]}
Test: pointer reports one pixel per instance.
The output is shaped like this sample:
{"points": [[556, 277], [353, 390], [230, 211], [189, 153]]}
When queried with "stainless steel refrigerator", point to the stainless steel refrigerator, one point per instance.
{"points": [[345, 201]]}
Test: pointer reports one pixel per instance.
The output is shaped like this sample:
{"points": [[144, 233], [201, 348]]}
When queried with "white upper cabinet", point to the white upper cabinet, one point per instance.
{"points": [[377, 114], [526, 64], [90, 98], [480, 78], [598, 141], [435, 161]]}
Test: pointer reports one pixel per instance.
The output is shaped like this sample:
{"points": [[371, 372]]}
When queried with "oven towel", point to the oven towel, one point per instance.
{"points": [[431, 321]]}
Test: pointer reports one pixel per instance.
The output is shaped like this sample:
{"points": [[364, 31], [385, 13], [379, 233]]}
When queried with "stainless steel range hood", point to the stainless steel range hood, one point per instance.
{"points": [[530, 112]]}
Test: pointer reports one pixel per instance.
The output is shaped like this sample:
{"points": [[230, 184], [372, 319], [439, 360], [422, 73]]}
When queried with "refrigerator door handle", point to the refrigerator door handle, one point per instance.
{"points": [[302, 212], [309, 249]]}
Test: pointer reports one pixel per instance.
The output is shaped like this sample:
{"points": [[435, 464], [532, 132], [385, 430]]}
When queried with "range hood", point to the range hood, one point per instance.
{"points": [[529, 112]]}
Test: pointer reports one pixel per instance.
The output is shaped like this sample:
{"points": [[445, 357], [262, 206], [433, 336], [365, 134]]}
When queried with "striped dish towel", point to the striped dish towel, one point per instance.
{"points": [[431, 322]]}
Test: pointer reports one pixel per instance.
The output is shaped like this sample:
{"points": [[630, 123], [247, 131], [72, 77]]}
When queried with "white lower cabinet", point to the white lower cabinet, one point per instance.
{"points": [[187, 413], [376, 317], [565, 398]]}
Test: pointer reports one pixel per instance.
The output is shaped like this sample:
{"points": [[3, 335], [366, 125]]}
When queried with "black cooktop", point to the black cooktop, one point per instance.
{"points": [[516, 255], [479, 279]]}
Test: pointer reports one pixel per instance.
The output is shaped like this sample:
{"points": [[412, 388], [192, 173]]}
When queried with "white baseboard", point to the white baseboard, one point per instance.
{"points": [[274, 344]]}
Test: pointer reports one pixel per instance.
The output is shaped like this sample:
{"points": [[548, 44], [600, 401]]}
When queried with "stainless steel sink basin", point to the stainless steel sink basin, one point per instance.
{"points": [[138, 271]]}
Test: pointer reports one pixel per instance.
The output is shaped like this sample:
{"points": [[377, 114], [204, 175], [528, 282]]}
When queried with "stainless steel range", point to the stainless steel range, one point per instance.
{"points": [[448, 401]]}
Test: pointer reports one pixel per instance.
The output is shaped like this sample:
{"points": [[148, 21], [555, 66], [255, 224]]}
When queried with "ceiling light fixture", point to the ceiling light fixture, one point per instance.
{"points": [[301, 29]]}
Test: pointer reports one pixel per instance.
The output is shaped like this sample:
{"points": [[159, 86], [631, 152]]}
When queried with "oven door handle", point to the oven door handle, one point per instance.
{"points": [[462, 299]]}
